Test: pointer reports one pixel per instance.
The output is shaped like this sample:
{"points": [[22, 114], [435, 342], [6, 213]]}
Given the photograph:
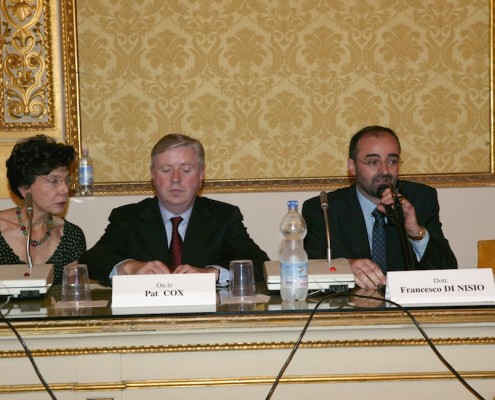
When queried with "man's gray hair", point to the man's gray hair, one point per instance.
{"points": [[174, 140]]}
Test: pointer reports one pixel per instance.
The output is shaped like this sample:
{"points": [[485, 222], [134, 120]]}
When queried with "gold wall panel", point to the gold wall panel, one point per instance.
{"points": [[129, 344], [66, 352], [275, 89], [242, 382]]}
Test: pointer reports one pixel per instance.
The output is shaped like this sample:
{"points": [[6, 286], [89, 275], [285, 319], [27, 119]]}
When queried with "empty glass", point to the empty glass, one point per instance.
{"points": [[75, 285], [241, 279]]}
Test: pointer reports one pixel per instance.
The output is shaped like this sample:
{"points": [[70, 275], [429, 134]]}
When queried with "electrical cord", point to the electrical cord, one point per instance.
{"points": [[26, 349], [430, 343], [296, 345], [405, 310], [294, 349]]}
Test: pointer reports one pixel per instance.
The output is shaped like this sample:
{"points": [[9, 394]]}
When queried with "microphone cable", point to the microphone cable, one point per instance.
{"points": [[429, 341], [405, 310], [26, 349], [298, 342]]}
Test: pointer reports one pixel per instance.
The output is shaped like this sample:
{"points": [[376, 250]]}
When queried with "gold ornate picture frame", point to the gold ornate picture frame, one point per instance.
{"points": [[300, 65], [38, 81]]}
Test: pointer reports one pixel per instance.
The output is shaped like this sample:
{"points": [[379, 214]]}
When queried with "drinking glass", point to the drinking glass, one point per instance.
{"points": [[241, 279], [75, 284]]}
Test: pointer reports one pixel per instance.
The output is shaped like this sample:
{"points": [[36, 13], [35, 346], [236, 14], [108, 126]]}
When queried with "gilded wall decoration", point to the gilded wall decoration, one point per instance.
{"points": [[35, 85], [27, 85]]}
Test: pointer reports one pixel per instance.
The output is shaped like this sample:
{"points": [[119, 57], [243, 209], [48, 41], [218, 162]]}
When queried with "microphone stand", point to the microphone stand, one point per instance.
{"points": [[397, 218], [29, 213], [324, 207]]}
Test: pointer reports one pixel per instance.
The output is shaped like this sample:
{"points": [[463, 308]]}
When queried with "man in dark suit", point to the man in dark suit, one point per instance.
{"points": [[374, 160], [138, 237]]}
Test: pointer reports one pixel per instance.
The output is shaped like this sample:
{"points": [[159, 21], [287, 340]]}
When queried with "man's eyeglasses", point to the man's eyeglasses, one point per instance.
{"points": [[376, 164], [56, 181]]}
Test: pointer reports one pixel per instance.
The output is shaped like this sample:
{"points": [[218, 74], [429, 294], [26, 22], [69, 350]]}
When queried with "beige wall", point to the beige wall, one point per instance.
{"points": [[467, 214], [272, 93], [275, 89]]}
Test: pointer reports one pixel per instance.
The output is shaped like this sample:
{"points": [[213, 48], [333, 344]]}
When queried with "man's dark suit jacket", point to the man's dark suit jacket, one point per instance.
{"points": [[215, 235], [349, 238]]}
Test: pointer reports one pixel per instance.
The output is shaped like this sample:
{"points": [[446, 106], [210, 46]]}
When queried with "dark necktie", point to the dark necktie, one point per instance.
{"points": [[379, 241], [175, 243]]}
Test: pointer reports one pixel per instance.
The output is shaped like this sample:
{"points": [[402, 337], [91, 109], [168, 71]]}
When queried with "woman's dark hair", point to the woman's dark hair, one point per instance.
{"points": [[34, 156]]}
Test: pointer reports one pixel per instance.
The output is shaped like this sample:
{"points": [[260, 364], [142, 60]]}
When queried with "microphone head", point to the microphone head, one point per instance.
{"points": [[29, 202], [380, 190], [324, 200]]}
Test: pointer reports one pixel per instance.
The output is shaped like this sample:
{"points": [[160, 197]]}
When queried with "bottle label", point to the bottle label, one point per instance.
{"points": [[294, 274], [85, 175]]}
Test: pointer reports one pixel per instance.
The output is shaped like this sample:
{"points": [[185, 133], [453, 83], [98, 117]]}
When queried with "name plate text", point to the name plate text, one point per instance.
{"points": [[457, 286], [163, 290]]}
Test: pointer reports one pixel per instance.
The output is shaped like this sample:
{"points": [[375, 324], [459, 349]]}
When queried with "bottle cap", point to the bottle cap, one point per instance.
{"points": [[292, 204]]}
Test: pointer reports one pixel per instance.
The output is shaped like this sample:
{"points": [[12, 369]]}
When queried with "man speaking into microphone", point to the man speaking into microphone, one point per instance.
{"points": [[363, 218]]}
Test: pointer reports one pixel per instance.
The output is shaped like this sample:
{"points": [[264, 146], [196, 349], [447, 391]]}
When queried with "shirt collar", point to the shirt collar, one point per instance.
{"points": [[166, 215], [366, 204]]}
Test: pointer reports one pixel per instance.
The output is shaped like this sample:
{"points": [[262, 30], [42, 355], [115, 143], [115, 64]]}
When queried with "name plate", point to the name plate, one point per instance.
{"points": [[163, 290], [458, 286]]}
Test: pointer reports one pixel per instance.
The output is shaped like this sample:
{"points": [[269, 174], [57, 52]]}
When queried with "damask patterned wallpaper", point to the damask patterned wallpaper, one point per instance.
{"points": [[275, 89]]}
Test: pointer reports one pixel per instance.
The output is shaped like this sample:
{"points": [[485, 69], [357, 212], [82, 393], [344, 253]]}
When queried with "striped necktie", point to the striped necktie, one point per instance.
{"points": [[379, 241]]}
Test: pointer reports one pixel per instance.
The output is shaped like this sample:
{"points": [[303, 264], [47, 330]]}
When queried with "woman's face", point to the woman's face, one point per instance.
{"points": [[50, 192]]}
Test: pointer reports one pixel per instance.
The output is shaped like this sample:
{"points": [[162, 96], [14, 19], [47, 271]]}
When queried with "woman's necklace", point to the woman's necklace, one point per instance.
{"points": [[34, 243]]}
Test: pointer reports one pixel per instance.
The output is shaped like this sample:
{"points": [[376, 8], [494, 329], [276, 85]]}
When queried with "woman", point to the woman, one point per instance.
{"points": [[42, 167]]}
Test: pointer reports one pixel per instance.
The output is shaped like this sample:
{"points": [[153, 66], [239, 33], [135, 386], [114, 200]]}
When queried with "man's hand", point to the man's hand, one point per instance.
{"points": [[410, 221], [367, 274], [133, 267], [189, 269]]}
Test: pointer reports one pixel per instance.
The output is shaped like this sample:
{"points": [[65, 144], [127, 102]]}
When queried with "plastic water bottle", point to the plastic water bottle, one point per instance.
{"points": [[85, 174], [293, 258]]}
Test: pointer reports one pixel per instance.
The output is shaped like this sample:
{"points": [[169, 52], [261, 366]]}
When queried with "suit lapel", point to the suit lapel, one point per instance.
{"points": [[354, 226], [199, 228], [152, 231]]}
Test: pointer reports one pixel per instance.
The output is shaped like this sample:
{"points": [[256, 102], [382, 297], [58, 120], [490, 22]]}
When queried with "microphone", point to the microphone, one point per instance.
{"points": [[324, 207], [29, 203], [388, 208], [395, 216], [380, 190], [29, 213]]}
